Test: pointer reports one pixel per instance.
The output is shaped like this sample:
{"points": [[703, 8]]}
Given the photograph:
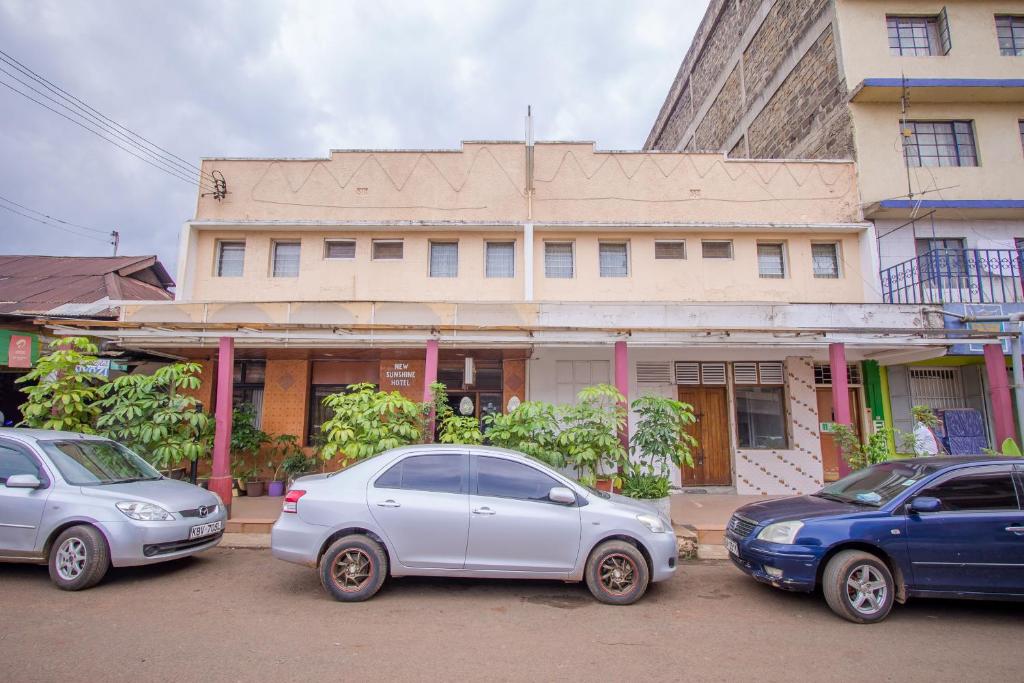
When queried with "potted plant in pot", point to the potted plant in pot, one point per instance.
{"points": [[590, 435], [254, 486], [246, 441], [284, 447], [297, 465], [660, 440]]}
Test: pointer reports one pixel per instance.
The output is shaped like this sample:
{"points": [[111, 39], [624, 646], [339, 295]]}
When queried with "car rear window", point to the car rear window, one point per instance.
{"points": [[500, 478]]}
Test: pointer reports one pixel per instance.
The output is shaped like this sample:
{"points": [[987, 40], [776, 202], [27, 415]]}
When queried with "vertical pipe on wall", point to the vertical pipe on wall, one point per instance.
{"points": [[220, 479], [999, 391], [622, 384], [528, 262]]}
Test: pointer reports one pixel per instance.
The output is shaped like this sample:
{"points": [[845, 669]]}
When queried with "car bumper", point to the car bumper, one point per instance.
{"points": [[664, 550], [293, 540], [789, 567], [137, 543]]}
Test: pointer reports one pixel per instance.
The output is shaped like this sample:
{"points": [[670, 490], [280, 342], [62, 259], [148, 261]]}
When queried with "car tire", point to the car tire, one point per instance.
{"points": [[354, 568], [79, 558], [859, 587], [617, 573]]}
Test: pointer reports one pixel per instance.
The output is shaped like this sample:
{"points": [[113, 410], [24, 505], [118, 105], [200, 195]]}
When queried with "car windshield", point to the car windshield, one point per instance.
{"points": [[876, 485], [94, 462]]}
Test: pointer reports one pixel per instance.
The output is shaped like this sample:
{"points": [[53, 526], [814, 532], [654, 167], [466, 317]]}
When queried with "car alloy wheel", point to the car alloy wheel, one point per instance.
{"points": [[618, 574], [866, 590], [71, 559], [352, 570]]}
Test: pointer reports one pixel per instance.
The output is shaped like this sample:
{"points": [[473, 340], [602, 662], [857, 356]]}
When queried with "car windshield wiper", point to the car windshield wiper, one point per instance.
{"points": [[129, 480], [832, 496]]}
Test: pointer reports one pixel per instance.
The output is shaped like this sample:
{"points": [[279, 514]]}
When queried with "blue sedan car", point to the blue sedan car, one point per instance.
{"points": [[944, 527]]}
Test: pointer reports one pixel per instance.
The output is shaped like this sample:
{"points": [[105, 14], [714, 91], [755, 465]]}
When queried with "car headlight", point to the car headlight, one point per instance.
{"points": [[144, 512], [780, 532], [220, 501], [652, 522]]}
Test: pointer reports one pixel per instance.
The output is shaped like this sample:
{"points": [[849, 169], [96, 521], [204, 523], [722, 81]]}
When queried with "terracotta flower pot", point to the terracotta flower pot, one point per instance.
{"points": [[254, 488]]}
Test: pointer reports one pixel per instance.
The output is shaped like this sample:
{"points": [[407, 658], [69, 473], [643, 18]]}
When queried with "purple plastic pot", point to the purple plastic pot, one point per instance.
{"points": [[275, 488]]}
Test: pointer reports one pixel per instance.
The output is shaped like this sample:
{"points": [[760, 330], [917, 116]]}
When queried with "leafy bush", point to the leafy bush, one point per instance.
{"points": [[860, 455], [365, 422], [64, 393], [660, 439], [645, 486], [285, 449], [454, 429], [590, 437], [532, 428]]}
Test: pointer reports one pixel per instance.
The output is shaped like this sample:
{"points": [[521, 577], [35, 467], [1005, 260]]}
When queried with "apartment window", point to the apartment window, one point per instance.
{"points": [[500, 259], [247, 388], [613, 259], [387, 250], [674, 250], [230, 259], [716, 249], [444, 259], [1011, 35], [771, 260], [825, 258], [919, 36], [558, 259], [286, 259], [940, 143], [1020, 125], [340, 249]]}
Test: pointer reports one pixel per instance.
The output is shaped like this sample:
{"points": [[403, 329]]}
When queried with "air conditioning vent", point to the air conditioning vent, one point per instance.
{"points": [[687, 373], [654, 373], [712, 373], [771, 373], [744, 373]]}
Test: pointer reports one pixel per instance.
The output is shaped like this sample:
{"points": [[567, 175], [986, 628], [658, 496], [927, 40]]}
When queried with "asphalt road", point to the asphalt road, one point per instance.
{"points": [[240, 615]]}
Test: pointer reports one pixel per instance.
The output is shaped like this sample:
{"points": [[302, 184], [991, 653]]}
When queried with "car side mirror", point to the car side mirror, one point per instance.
{"points": [[561, 495], [23, 481], [925, 504]]}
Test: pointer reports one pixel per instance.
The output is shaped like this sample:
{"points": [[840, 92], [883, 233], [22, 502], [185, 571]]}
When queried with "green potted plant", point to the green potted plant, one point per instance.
{"points": [[365, 422], [660, 441], [532, 429], [590, 435], [297, 465], [246, 441], [283, 448]]}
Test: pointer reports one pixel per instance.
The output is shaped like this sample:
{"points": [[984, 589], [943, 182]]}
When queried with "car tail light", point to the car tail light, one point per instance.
{"points": [[291, 501]]}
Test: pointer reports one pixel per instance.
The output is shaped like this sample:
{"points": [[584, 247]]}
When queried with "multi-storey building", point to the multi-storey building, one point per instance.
{"points": [[928, 98], [514, 271]]}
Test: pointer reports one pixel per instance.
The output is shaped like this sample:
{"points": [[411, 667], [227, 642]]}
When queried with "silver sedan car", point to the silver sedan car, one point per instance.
{"points": [[82, 503], [469, 511]]}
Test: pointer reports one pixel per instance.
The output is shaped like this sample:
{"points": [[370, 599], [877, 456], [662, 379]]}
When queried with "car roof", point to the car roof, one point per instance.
{"points": [[944, 461], [28, 435]]}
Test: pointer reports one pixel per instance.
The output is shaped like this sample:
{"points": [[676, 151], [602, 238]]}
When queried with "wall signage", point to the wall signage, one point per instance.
{"points": [[19, 351], [399, 374]]}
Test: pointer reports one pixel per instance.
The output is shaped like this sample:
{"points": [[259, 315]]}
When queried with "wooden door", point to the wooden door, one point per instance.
{"points": [[831, 457], [711, 462]]}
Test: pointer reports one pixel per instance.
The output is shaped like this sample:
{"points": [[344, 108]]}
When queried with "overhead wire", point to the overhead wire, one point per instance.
{"points": [[52, 218], [53, 225]]}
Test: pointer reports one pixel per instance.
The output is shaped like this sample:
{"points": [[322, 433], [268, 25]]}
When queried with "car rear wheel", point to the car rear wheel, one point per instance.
{"points": [[617, 573], [353, 568], [79, 558], [859, 587]]}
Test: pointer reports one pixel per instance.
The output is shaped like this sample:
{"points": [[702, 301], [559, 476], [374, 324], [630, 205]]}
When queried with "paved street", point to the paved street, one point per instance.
{"points": [[241, 615]]}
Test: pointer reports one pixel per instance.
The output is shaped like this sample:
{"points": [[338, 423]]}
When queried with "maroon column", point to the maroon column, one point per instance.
{"points": [[429, 377], [840, 394], [220, 481], [622, 384], [999, 392]]}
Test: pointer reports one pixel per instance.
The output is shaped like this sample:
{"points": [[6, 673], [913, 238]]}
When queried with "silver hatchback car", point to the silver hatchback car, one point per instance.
{"points": [[82, 503], [469, 511]]}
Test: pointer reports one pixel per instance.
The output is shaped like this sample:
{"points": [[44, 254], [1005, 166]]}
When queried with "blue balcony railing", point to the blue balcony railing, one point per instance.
{"points": [[952, 276]]}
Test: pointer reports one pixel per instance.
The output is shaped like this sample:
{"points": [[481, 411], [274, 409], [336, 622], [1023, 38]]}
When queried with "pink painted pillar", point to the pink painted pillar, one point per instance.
{"points": [[840, 394], [220, 479], [999, 391], [622, 384], [429, 377]]}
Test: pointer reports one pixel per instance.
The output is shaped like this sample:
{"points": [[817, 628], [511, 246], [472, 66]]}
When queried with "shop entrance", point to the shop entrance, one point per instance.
{"points": [[711, 466], [477, 394]]}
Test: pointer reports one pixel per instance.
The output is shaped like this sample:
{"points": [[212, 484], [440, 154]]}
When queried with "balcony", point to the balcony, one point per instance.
{"points": [[956, 276]]}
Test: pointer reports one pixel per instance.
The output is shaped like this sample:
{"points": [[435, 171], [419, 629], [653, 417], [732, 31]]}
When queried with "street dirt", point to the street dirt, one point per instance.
{"points": [[240, 615]]}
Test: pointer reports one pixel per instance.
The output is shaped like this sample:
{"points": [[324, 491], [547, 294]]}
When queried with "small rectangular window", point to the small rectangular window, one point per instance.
{"points": [[387, 250], [340, 249], [444, 259], [716, 249], [1010, 30], [666, 250], [230, 259], [761, 417], [613, 259], [771, 260], [825, 258], [286, 259], [558, 260], [939, 143], [917, 36], [500, 259]]}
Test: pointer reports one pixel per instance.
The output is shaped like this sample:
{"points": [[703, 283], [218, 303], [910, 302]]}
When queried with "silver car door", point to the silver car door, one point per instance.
{"points": [[421, 503], [21, 510], [512, 524]]}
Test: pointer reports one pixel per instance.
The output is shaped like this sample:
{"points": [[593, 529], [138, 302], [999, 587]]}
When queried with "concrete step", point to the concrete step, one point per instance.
{"points": [[711, 542], [249, 525], [238, 540]]}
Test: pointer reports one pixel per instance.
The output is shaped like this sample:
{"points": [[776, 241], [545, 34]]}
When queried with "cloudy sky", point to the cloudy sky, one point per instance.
{"points": [[263, 78]]}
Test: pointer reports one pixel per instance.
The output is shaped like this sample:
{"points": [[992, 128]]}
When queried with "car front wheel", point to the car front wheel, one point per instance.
{"points": [[79, 558], [353, 568], [617, 573], [859, 587]]}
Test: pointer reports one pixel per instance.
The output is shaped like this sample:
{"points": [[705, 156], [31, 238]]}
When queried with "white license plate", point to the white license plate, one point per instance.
{"points": [[205, 529], [731, 546]]}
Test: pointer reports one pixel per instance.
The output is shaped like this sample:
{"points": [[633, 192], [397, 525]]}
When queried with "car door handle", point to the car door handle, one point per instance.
{"points": [[483, 511], [1015, 529], [388, 504]]}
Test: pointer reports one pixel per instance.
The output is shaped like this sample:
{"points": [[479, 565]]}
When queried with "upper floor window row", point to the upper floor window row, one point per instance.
{"points": [[919, 36], [940, 143], [1010, 30], [230, 259]]}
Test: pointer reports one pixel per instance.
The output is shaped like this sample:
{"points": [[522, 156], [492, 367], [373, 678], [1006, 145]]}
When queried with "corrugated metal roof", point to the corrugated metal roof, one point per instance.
{"points": [[79, 285]]}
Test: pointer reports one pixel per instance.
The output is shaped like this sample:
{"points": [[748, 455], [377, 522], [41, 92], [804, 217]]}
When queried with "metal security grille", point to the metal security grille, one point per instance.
{"points": [[938, 388], [558, 259], [388, 250], [230, 259], [340, 249], [823, 374], [669, 251], [716, 249], [771, 261], [500, 259], [444, 259], [826, 260], [648, 372], [614, 259], [286, 259]]}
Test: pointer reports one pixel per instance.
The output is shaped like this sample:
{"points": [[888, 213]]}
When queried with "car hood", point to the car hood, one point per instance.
{"points": [[637, 506], [170, 494], [797, 507]]}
